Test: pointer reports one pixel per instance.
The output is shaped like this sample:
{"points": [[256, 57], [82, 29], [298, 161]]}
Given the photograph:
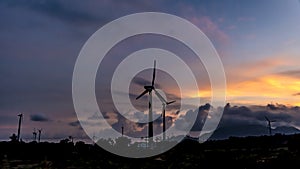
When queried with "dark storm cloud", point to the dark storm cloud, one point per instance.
{"points": [[245, 121], [242, 115], [39, 117], [237, 116]]}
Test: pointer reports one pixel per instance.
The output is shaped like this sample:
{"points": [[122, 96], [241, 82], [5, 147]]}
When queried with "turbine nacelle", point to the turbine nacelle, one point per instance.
{"points": [[149, 88]]}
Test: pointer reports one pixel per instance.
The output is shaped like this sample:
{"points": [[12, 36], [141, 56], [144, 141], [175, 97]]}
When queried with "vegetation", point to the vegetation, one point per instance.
{"points": [[278, 151]]}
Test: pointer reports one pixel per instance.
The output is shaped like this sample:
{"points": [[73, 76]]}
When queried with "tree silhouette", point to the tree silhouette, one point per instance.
{"points": [[13, 138]]}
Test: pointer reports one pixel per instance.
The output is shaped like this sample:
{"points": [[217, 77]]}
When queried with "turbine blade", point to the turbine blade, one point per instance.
{"points": [[153, 76], [142, 94], [160, 97], [267, 118], [171, 102]]}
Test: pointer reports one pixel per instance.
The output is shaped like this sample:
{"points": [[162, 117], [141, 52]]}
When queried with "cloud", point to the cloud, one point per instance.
{"points": [[234, 117], [256, 68], [111, 117], [198, 116], [74, 123], [95, 116], [211, 28], [39, 117], [57, 9], [263, 89], [291, 73], [296, 94], [255, 115], [143, 82], [250, 120], [201, 117]]}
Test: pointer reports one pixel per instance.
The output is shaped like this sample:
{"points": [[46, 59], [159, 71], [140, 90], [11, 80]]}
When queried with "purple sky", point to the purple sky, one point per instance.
{"points": [[258, 42]]}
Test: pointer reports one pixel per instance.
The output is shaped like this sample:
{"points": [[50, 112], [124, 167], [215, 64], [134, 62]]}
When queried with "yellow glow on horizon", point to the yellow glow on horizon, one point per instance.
{"points": [[259, 91], [269, 88]]}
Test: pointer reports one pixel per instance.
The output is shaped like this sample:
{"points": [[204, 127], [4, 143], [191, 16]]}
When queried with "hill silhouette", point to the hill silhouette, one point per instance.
{"points": [[225, 132]]}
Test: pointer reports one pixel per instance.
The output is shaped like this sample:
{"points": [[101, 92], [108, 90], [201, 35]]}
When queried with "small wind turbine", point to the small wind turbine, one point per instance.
{"points": [[40, 131], [269, 124], [164, 104], [19, 127], [148, 89], [34, 134]]}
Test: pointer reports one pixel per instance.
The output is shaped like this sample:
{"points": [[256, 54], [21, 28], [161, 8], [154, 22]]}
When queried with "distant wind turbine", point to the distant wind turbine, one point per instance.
{"points": [[40, 132], [34, 134], [19, 126], [164, 104], [269, 124]]}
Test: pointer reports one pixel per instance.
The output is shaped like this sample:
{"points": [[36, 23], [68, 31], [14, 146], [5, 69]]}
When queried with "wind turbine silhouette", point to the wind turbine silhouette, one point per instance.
{"points": [[34, 134], [19, 126], [40, 131], [269, 124], [164, 104], [148, 89]]}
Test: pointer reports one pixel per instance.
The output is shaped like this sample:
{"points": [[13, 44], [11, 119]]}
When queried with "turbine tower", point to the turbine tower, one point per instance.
{"points": [[148, 89], [164, 104], [19, 127], [269, 124], [40, 131], [34, 135]]}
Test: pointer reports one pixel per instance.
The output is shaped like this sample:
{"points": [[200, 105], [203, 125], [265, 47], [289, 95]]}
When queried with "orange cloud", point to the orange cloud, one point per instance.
{"points": [[244, 71], [282, 88], [265, 89]]}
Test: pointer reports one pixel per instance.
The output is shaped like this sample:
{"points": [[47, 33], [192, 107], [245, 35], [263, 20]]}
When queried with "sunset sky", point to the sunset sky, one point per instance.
{"points": [[257, 41]]}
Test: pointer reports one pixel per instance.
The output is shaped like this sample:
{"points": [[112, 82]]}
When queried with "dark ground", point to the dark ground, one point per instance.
{"points": [[279, 151]]}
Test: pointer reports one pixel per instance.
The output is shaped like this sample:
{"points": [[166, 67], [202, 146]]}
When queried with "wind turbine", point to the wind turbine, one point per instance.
{"points": [[19, 127], [34, 135], [40, 131], [164, 104], [269, 124], [148, 89]]}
